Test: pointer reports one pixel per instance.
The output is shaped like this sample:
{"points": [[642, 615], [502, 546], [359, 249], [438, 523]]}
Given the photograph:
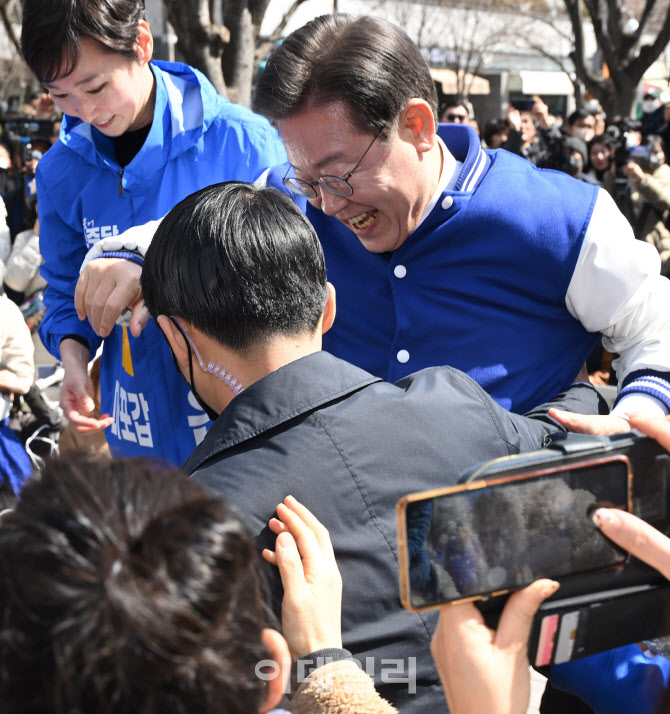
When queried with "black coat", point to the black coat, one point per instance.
{"points": [[348, 446]]}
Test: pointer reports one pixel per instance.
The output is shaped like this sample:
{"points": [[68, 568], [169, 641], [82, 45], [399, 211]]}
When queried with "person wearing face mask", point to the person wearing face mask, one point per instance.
{"points": [[236, 279], [582, 125], [652, 113], [650, 198]]}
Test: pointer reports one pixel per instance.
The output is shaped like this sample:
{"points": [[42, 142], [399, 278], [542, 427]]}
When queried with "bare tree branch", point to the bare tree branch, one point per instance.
{"points": [[9, 28], [265, 46]]}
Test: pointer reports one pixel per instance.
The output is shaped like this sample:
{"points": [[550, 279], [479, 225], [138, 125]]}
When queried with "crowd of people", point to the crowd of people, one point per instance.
{"points": [[626, 157], [177, 229]]}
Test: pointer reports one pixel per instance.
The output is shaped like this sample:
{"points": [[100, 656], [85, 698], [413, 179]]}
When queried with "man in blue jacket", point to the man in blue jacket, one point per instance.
{"points": [[137, 136], [235, 278], [443, 253]]}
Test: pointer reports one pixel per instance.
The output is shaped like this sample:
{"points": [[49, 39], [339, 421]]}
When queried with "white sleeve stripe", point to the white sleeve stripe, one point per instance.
{"points": [[658, 385]]}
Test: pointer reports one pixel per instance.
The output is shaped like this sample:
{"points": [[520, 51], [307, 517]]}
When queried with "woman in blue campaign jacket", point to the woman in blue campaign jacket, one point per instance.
{"points": [[138, 136]]}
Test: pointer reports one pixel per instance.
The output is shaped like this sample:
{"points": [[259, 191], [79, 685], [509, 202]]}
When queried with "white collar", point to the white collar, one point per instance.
{"points": [[451, 170]]}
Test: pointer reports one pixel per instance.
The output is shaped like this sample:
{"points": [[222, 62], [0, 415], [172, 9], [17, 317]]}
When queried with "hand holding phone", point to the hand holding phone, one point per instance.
{"points": [[484, 670]]}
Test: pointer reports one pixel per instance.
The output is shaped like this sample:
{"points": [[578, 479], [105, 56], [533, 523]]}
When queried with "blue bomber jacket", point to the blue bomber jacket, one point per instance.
{"points": [[512, 276], [196, 138]]}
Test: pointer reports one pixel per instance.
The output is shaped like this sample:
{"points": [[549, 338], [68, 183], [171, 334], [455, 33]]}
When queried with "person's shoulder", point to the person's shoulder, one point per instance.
{"points": [[54, 159], [230, 114], [662, 173], [443, 378]]}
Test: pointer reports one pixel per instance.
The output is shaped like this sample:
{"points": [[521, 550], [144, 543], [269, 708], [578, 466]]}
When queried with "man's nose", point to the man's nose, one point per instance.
{"points": [[330, 203]]}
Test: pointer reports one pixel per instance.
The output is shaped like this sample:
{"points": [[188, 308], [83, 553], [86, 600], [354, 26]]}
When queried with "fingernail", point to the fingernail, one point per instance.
{"points": [[551, 588], [605, 518]]}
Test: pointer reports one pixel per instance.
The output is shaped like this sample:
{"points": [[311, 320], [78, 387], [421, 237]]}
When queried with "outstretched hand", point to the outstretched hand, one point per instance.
{"points": [[590, 423], [76, 394], [312, 605]]}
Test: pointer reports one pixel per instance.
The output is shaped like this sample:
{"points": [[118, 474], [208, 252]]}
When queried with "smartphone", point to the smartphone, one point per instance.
{"points": [[486, 537], [523, 105]]}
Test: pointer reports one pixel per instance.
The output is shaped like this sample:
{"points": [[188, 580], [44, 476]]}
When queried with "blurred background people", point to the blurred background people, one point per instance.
{"points": [[496, 133], [524, 137], [600, 157], [17, 371], [457, 113], [650, 196]]}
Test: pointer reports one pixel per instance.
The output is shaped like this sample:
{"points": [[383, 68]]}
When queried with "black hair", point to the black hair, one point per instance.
{"points": [[240, 263], [493, 127], [125, 588], [454, 104], [52, 32], [577, 115], [605, 139], [368, 63]]}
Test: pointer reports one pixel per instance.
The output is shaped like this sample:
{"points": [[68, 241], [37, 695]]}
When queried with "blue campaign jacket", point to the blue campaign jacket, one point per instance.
{"points": [[197, 138], [480, 285]]}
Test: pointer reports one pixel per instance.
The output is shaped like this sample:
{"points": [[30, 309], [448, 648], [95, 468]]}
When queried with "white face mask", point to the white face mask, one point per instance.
{"points": [[583, 133], [5, 163], [649, 106]]}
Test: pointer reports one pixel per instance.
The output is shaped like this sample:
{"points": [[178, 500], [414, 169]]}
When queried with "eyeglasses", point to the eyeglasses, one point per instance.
{"points": [[336, 185], [457, 118]]}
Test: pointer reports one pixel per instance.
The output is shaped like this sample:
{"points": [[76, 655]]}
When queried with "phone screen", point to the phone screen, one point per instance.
{"points": [[472, 543]]}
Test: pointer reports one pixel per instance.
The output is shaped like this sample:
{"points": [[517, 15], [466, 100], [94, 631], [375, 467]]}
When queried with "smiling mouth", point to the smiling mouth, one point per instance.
{"points": [[363, 220], [105, 124]]}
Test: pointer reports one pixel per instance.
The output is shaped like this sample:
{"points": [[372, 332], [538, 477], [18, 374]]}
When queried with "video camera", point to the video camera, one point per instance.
{"points": [[524, 517], [560, 151], [21, 131]]}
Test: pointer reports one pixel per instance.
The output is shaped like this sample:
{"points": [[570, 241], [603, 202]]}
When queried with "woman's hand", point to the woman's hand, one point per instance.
{"points": [[312, 605]]}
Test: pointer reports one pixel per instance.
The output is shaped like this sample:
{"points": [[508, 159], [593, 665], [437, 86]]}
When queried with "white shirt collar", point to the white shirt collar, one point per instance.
{"points": [[451, 170]]}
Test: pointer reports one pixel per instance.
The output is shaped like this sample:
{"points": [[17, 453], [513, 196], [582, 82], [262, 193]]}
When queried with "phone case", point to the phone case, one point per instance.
{"points": [[570, 628]]}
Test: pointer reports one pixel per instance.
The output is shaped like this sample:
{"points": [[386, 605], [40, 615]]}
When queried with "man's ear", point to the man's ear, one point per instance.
{"points": [[329, 310], [278, 652], [174, 338], [417, 124], [145, 42]]}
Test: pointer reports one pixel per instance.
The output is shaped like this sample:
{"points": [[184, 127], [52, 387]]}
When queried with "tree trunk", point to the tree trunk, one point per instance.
{"points": [[200, 41], [239, 57], [619, 98], [628, 51]]}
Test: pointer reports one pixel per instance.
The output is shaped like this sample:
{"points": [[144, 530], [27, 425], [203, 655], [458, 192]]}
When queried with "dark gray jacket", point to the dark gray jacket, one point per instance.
{"points": [[348, 446]]}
